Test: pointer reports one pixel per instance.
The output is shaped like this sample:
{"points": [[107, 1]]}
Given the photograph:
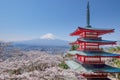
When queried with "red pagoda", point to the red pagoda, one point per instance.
{"points": [[90, 58]]}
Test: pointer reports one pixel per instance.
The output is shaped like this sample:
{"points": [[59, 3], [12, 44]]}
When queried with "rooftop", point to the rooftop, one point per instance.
{"points": [[94, 41], [88, 53], [100, 31], [83, 68]]}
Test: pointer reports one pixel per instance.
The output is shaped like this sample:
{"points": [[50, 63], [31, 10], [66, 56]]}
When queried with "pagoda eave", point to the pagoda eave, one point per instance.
{"points": [[76, 43], [93, 54], [79, 30], [101, 56], [79, 67], [102, 42]]}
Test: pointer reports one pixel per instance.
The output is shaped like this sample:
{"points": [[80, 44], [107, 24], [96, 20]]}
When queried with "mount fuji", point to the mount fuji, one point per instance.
{"points": [[45, 40]]}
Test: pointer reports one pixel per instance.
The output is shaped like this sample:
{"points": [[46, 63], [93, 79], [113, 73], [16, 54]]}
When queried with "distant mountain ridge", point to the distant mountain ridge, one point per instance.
{"points": [[43, 42], [118, 43]]}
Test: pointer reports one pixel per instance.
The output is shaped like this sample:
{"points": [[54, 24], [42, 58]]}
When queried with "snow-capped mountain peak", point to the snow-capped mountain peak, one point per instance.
{"points": [[48, 36]]}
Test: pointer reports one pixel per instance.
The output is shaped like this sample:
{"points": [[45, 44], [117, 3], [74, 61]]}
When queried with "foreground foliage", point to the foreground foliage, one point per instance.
{"points": [[63, 65]]}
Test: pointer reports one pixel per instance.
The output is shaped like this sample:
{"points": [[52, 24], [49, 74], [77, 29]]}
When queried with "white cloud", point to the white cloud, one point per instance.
{"points": [[48, 36]]}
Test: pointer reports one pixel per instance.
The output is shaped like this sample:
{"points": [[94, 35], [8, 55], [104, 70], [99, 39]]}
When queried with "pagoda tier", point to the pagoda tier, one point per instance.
{"points": [[91, 68], [98, 78], [90, 32], [91, 45], [93, 42], [93, 53], [102, 75], [87, 57]]}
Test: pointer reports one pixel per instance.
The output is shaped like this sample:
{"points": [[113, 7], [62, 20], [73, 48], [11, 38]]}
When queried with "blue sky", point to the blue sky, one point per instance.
{"points": [[30, 19]]}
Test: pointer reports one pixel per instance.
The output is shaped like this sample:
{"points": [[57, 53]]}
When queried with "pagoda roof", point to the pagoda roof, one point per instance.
{"points": [[84, 68], [102, 42], [93, 53], [79, 30]]}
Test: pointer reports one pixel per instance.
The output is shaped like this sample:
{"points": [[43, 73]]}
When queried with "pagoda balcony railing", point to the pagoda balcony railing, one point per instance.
{"points": [[94, 75], [91, 49], [94, 38], [90, 60], [94, 62]]}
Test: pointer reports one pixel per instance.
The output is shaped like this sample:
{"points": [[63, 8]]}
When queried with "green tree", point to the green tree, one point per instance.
{"points": [[63, 65], [74, 47]]}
